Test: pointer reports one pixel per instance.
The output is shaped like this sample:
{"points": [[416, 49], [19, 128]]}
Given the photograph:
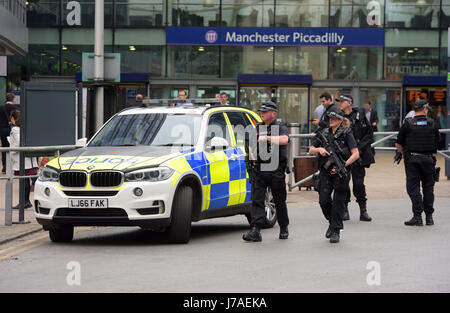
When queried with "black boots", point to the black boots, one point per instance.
{"points": [[254, 235], [346, 216], [284, 232], [364, 217], [329, 231], [415, 221], [429, 220], [335, 236]]}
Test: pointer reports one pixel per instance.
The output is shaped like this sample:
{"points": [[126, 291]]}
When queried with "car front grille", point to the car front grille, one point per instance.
{"points": [[91, 193], [110, 212], [106, 179], [73, 179]]}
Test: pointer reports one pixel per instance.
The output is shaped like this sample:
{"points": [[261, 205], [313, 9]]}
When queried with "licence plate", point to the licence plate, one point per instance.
{"points": [[88, 203]]}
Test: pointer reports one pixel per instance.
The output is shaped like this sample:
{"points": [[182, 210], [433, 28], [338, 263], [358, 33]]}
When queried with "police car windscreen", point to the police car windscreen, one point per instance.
{"points": [[149, 129]]}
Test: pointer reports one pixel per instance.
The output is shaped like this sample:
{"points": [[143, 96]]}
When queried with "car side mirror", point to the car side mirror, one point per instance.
{"points": [[217, 143]]}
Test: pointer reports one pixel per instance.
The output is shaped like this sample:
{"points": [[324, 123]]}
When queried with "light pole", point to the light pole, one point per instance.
{"points": [[98, 62]]}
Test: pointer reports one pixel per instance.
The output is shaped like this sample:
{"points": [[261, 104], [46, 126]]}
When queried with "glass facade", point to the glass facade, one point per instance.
{"points": [[415, 43]]}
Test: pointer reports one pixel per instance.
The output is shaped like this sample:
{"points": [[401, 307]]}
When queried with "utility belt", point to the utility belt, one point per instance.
{"points": [[421, 154]]}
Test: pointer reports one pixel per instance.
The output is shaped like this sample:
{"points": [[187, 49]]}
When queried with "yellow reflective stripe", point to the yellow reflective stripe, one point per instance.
{"points": [[230, 130], [243, 188], [206, 197], [218, 167], [179, 164], [234, 192]]}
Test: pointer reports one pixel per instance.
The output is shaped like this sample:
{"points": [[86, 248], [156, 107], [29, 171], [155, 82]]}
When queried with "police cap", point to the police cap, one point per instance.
{"points": [[268, 106], [335, 113], [420, 104], [344, 98]]}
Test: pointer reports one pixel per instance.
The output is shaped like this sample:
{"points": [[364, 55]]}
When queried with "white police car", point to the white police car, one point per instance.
{"points": [[157, 168]]}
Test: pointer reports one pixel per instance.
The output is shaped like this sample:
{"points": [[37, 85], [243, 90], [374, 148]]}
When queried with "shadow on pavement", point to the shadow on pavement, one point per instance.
{"points": [[125, 236]]}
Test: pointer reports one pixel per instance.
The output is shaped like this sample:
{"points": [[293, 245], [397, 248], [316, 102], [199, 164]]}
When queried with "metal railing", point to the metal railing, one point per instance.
{"points": [[46, 151], [388, 135]]}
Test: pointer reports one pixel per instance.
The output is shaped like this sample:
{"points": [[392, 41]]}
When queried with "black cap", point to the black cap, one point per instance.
{"points": [[335, 113], [344, 98], [421, 103], [268, 106]]}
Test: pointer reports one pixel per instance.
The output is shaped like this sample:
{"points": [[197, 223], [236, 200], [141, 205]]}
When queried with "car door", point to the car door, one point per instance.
{"points": [[224, 167], [239, 123]]}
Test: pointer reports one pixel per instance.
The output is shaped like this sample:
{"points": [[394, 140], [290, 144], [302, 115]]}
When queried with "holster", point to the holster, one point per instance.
{"points": [[437, 171]]}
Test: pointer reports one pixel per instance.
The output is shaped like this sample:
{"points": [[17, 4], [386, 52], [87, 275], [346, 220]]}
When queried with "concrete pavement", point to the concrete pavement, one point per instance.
{"points": [[384, 181]]}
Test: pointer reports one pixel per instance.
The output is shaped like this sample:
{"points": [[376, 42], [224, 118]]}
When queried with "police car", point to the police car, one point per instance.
{"points": [[159, 168]]}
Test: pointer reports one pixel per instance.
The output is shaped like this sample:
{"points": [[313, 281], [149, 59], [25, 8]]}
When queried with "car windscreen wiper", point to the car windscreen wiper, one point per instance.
{"points": [[174, 144]]}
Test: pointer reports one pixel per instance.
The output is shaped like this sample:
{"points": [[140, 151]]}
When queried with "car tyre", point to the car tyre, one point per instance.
{"points": [[61, 234], [271, 212], [179, 230]]}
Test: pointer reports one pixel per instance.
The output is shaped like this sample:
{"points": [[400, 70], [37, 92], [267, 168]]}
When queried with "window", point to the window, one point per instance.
{"points": [[194, 13], [193, 61], [355, 63], [218, 128], [250, 13], [149, 129], [140, 13], [304, 60], [294, 13], [249, 59], [412, 13], [239, 123]]}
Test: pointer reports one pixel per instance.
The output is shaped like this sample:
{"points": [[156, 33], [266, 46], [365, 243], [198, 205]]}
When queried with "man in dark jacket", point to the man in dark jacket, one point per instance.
{"points": [[363, 133], [327, 101]]}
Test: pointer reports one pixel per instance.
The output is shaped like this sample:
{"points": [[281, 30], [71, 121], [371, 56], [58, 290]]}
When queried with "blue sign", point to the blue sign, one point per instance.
{"points": [[238, 36]]}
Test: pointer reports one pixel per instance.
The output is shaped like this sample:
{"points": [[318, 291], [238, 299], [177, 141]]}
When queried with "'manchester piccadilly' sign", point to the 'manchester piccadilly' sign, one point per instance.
{"points": [[275, 36]]}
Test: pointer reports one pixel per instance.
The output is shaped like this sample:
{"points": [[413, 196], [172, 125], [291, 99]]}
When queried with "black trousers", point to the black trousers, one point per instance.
{"points": [[359, 189], [4, 132], [420, 169], [333, 208], [276, 181]]}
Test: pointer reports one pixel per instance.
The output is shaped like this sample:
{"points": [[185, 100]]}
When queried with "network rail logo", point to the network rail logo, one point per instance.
{"points": [[211, 36]]}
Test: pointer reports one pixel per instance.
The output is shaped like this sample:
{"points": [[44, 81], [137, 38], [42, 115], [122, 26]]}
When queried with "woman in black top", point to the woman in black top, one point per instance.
{"points": [[340, 137]]}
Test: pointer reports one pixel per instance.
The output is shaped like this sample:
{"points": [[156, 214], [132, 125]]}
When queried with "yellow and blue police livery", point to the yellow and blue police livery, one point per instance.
{"points": [[158, 168]]}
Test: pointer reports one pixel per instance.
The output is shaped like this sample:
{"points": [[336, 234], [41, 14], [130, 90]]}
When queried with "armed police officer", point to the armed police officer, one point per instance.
{"points": [[417, 140], [269, 160], [338, 151], [363, 133]]}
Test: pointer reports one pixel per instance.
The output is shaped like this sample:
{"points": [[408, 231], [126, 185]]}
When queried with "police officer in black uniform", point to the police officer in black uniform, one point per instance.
{"points": [[363, 133], [269, 168], [417, 140], [339, 133]]}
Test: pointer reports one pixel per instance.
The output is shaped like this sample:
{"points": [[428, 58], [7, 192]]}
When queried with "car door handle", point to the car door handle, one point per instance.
{"points": [[234, 157]]}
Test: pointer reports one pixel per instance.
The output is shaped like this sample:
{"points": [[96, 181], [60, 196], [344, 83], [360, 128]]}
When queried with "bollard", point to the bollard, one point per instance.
{"points": [[8, 191]]}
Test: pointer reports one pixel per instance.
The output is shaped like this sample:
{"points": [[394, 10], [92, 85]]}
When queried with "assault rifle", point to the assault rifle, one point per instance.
{"points": [[335, 158]]}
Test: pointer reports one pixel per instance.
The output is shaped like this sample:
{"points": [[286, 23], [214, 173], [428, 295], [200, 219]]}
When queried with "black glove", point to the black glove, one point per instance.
{"points": [[398, 157]]}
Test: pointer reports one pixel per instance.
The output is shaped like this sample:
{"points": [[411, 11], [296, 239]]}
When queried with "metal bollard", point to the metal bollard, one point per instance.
{"points": [[8, 191]]}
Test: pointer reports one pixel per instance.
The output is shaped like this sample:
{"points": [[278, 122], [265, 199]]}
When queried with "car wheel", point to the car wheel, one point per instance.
{"points": [[61, 234], [271, 212], [179, 230]]}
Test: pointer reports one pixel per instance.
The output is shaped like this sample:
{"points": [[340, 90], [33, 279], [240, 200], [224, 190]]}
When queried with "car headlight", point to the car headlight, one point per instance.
{"points": [[48, 174], [151, 174]]}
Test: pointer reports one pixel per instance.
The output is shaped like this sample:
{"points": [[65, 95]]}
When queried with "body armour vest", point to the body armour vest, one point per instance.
{"points": [[339, 139], [421, 137], [263, 130]]}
